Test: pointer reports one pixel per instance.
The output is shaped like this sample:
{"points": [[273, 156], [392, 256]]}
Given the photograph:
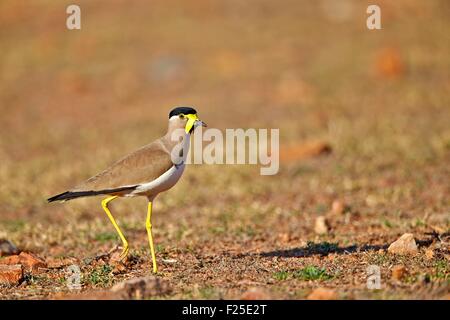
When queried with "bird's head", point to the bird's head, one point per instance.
{"points": [[185, 117]]}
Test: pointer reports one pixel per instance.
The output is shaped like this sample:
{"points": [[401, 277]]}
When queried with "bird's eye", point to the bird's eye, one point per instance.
{"points": [[181, 116]]}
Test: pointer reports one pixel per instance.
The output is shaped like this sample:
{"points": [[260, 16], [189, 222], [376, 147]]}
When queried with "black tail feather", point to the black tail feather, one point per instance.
{"points": [[69, 195]]}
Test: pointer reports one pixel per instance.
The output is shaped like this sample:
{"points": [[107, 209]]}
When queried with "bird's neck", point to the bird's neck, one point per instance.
{"points": [[176, 141]]}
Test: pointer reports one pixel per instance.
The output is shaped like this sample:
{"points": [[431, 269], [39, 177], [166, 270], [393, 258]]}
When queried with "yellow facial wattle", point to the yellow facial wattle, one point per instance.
{"points": [[191, 121]]}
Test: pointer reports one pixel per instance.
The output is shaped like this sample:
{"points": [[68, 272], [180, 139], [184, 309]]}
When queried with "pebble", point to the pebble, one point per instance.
{"points": [[405, 245], [337, 207], [398, 272], [11, 275], [7, 248], [321, 225]]}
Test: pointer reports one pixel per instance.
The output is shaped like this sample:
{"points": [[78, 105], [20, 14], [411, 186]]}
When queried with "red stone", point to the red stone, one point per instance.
{"points": [[31, 262], [11, 275]]}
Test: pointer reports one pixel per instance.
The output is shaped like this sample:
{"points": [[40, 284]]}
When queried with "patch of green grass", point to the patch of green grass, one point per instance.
{"points": [[308, 273], [281, 275], [419, 223], [106, 236], [312, 273], [387, 223], [101, 276], [442, 270], [160, 248]]}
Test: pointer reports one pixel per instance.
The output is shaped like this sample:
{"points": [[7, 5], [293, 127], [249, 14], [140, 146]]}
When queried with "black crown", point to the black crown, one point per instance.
{"points": [[182, 110]]}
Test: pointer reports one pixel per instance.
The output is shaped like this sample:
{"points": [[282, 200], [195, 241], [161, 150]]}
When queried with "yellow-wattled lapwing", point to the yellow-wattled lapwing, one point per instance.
{"points": [[152, 169]]}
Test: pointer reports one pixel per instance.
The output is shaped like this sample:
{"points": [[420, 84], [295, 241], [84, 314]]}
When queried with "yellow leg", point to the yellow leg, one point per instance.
{"points": [[105, 202], [148, 226]]}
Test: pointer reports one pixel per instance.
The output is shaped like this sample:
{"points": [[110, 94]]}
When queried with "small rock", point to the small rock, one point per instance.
{"points": [[398, 272], [255, 294], [331, 257], [322, 294], [404, 245], [115, 256], [284, 237], [321, 225], [169, 261], [139, 288], [31, 262], [120, 265], [10, 260], [7, 248], [429, 254], [119, 268], [337, 207], [11, 275]]}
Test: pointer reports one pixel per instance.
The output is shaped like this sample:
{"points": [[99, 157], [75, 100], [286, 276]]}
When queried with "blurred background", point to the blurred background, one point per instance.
{"points": [[73, 101]]}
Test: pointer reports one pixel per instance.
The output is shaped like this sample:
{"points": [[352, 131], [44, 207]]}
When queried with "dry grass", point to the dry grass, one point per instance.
{"points": [[74, 101]]}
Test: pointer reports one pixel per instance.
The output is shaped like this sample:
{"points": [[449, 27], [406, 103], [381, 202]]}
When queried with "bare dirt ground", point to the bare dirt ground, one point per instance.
{"points": [[72, 102]]}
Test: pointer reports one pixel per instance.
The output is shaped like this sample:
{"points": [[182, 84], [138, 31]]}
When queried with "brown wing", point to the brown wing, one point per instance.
{"points": [[143, 165]]}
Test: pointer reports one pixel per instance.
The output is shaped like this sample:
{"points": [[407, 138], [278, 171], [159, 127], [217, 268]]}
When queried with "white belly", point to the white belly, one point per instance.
{"points": [[164, 182]]}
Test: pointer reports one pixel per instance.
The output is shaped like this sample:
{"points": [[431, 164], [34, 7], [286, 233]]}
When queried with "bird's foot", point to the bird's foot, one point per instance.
{"points": [[123, 256]]}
